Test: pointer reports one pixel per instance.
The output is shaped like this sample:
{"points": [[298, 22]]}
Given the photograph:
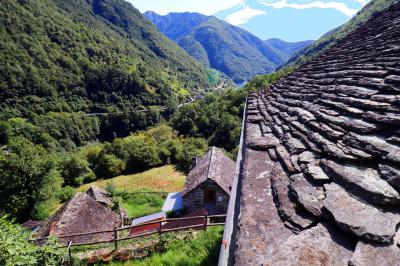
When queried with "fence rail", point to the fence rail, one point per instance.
{"points": [[160, 230]]}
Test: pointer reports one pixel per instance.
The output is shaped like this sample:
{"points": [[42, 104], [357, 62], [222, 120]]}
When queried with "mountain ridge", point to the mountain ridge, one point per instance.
{"points": [[227, 48]]}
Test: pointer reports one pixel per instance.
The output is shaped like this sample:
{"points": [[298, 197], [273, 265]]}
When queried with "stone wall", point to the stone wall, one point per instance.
{"points": [[321, 171], [194, 199]]}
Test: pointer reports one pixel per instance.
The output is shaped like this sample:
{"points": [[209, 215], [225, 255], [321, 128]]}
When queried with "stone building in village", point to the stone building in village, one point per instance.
{"points": [[85, 212], [209, 183]]}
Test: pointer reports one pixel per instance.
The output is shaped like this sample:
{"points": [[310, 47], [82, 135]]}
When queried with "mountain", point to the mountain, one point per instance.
{"points": [[227, 48], [287, 49], [88, 55], [333, 36]]}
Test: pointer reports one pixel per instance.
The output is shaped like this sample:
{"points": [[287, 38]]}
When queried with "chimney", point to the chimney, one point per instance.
{"points": [[194, 161]]}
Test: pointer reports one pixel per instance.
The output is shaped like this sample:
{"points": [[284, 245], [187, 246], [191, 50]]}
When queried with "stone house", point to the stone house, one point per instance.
{"points": [[209, 183], [81, 214]]}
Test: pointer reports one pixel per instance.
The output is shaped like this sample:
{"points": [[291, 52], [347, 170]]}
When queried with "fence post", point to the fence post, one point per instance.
{"points": [[121, 213], [115, 238], [205, 221], [69, 253]]}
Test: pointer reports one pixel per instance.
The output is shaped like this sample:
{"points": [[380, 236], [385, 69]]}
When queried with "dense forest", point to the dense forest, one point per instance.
{"points": [[89, 56]]}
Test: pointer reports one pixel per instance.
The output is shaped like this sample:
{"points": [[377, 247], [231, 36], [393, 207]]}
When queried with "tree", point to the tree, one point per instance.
{"points": [[109, 166], [222, 135], [193, 147], [75, 170], [5, 132], [143, 152], [28, 176], [172, 149]]}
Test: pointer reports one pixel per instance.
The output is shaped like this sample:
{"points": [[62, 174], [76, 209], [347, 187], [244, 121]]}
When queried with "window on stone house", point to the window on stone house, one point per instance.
{"points": [[210, 196]]}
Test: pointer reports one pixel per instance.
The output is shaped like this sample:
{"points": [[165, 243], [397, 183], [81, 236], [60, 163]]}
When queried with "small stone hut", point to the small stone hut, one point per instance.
{"points": [[209, 183], [81, 214]]}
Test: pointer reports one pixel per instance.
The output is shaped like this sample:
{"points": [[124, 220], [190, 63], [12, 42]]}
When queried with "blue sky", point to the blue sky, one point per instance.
{"points": [[290, 20]]}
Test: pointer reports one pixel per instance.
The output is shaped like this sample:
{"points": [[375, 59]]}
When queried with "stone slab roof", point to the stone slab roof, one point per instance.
{"points": [[320, 179], [81, 214], [214, 165], [100, 195]]}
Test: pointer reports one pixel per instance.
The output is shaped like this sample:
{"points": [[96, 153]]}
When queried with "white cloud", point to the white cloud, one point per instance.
{"points": [[362, 2], [206, 7], [243, 15], [317, 4]]}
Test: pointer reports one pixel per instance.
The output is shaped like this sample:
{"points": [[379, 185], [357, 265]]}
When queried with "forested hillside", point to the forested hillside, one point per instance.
{"points": [[287, 49], [330, 38], [85, 55], [63, 59], [227, 48]]}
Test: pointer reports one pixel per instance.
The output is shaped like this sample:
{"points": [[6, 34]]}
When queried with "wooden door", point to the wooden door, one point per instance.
{"points": [[209, 196]]}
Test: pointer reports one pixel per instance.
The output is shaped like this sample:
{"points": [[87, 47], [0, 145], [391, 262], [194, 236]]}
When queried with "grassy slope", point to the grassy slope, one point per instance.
{"points": [[165, 178], [203, 249]]}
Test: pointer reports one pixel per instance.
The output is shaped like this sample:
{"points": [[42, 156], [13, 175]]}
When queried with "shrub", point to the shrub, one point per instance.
{"points": [[165, 240], [15, 250], [41, 211], [66, 193], [110, 188], [197, 248]]}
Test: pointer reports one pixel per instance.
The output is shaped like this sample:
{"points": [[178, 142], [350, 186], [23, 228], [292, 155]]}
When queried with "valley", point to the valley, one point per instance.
{"points": [[108, 114]]}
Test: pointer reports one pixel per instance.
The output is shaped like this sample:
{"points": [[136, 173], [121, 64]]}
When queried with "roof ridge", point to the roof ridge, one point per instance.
{"points": [[209, 163]]}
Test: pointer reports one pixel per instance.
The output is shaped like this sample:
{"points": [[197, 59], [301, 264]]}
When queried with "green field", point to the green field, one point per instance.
{"points": [[165, 178], [137, 205]]}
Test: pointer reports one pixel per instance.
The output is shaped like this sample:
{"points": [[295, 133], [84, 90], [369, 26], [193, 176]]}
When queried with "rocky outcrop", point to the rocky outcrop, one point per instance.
{"points": [[321, 171]]}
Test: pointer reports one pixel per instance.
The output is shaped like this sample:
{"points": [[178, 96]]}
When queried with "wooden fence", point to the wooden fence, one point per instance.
{"points": [[160, 230]]}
